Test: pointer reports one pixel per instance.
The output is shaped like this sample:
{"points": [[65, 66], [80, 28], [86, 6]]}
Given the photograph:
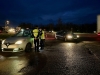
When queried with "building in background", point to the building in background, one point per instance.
{"points": [[98, 23]]}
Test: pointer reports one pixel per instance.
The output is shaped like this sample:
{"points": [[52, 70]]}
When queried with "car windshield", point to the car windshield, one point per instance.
{"points": [[25, 33], [60, 32]]}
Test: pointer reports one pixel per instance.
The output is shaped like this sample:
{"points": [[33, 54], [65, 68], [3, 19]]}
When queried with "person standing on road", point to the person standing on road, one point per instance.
{"points": [[42, 38], [36, 38], [40, 33]]}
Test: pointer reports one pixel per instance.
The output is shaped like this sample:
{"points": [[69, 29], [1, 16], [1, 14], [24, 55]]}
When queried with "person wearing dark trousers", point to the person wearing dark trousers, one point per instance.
{"points": [[36, 38], [42, 39], [40, 33]]}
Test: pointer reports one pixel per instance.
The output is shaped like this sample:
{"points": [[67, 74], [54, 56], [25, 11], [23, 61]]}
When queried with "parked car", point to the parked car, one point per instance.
{"points": [[21, 41], [98, 34], [0, 31], [66, 36]]}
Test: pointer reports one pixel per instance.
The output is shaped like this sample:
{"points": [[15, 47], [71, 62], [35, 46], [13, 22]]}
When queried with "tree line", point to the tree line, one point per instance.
{"points": [[87, 28]]}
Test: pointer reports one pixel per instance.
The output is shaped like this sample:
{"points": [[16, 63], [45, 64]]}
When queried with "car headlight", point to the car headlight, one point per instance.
{"points": [[3, 41], [77, 36], [69, 36], [19, 42]]}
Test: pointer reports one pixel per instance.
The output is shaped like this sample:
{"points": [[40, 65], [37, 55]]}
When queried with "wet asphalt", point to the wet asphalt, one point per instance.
{"points": [[58, 58], [72, 58]]}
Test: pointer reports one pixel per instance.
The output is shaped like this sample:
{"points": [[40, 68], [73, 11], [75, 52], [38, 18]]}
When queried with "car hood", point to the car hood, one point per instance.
{"points": [[14, 39]]}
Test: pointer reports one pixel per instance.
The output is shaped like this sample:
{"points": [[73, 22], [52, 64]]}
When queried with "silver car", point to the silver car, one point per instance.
{"points": [[21, 41]]}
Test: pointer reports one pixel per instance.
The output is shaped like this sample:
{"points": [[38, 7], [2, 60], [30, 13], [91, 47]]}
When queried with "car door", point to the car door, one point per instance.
{"points": [[62, 34]]}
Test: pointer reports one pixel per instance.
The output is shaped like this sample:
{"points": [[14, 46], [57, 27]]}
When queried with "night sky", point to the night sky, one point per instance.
{"points": [[49, 11]]}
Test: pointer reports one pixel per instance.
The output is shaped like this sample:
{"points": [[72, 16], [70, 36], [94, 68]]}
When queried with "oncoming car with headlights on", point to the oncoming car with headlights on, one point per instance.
{"points": [[67, 36], [21, 41]]}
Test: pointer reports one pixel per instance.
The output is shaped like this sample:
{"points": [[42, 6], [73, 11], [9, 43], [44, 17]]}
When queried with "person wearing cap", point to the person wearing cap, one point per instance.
{"points": [[36, 38]]}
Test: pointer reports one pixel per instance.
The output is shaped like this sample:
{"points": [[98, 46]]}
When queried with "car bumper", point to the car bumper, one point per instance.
{"points": [[11, 48], [71, 38]]}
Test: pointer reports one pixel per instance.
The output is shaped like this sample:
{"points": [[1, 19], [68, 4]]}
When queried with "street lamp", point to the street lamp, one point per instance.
{"points": [[6, 25], [7, 22]]}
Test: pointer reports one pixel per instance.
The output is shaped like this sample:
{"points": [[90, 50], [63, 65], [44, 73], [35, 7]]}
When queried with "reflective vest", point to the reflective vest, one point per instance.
{"points": [[43, 35], [36, 33]]}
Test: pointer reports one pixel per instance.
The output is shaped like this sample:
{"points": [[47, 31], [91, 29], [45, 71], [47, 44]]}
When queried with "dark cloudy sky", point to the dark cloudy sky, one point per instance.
{"points": [[46, 11]]}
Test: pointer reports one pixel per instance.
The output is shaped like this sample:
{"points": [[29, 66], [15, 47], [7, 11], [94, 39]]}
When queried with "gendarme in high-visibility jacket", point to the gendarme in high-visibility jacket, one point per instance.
{"points": [[35, 33], [43, 34]]}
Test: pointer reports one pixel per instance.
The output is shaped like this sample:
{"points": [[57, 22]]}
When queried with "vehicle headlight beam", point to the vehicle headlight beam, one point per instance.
{"points": [[69, 36], [78, 36], [19, 42], [3, 41]]}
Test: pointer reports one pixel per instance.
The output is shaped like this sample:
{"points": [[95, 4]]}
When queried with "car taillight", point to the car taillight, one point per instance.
{"points": [[98, 34]]}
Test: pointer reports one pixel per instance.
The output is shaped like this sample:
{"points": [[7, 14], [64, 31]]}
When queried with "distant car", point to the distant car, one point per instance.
{"points": [[21, 41], [58, 34], [66, 36], [0, 31], [98, 34]]}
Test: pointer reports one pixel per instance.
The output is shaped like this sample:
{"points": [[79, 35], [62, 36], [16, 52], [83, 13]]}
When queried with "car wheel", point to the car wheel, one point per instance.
{"points": [[28, 47]]}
